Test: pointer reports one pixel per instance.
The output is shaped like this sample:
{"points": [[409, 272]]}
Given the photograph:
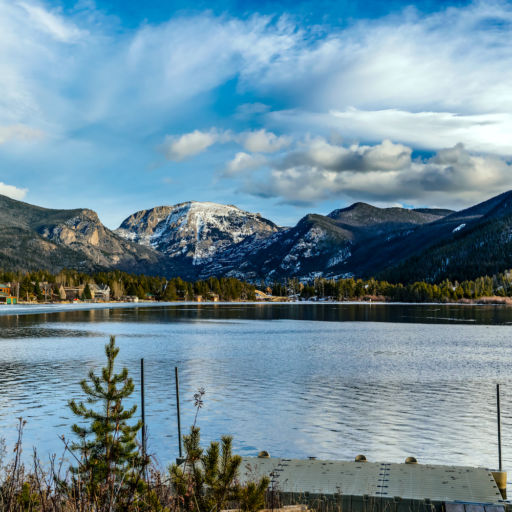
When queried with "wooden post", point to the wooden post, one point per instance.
{"points": [[178, 409], [498, 411], [142, 406]]}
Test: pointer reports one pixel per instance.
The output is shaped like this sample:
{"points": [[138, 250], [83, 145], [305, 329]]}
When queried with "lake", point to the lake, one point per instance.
{"points": [[297, 380]]}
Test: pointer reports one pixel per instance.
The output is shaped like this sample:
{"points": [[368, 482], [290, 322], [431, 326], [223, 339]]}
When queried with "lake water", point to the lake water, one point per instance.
{"points": [[298, 380]]}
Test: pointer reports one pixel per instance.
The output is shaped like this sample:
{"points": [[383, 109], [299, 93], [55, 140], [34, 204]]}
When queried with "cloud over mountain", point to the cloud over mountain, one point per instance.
{"points": [[320, 170], [274, 86], [12, 191], [179, 147]]}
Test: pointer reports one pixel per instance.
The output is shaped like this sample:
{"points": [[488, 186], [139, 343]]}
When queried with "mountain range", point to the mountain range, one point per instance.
{"points": [[196, 240]]}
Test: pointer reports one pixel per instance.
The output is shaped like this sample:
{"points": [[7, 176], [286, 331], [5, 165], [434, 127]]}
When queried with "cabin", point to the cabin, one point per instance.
{"points": [[6, 296], [71, 292], [100, 292]]}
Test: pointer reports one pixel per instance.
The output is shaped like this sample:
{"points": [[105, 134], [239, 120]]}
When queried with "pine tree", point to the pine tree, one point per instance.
{"points": [[209, 479], [87, 294], [110, 465]]}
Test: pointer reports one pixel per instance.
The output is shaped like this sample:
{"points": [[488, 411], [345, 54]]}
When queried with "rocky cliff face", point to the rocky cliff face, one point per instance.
{"points": [[197, 240], [208, 239], [81, 230], [35, 237], [321, 245], [194, 232]]}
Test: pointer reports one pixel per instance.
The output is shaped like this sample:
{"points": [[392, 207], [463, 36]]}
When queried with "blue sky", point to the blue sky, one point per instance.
{"points": [[278, 107]]}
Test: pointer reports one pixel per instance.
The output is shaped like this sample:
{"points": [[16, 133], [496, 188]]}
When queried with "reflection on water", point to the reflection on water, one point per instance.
{"points": [[386, 381]]}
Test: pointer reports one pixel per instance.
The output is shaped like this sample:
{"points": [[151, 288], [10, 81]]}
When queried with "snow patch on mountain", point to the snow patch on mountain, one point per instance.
{"points": [[198, 231], [341, 256]]}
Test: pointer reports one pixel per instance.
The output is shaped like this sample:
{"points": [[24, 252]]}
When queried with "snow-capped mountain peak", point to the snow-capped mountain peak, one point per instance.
{"points": [[194, 230]]}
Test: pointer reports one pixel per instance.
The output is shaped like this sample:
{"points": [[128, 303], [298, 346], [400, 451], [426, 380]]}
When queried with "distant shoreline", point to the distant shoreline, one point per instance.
{"points": [[34, 309]]}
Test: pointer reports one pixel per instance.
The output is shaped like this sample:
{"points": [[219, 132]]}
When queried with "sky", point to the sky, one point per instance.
{"points": [[278, 107]]}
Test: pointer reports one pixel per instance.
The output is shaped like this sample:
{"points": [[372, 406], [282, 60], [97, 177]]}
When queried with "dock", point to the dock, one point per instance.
{"points": [[375, 486]]}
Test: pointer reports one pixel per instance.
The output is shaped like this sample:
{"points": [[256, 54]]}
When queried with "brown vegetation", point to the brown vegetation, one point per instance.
{"points": [[106, 470]]}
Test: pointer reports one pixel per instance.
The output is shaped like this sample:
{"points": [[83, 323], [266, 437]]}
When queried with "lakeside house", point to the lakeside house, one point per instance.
{"points": [[71, 292], [99, 293], [6, 296]]}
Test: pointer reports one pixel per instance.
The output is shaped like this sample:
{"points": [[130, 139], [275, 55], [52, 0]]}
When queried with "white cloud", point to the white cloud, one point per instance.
{"points": [[190, 144], [12, 191], [404, 75], [243, 162], [421, 81], [448, 61], [487, 132], [19, 132], [319, 171], [180, 147], [53, 24], [483, 132], [335, 157], [261, 141]]}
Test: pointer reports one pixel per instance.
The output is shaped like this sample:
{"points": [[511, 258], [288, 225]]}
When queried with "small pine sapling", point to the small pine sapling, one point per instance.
{"points": [[208, 480], [110, 464]]}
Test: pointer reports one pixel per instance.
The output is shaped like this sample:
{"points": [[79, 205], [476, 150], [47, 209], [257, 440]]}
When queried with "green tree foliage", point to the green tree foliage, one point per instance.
{"points": [[231, 289], [419, 291], [110, 464], [123, 283], [87, 294], [207, 481]]}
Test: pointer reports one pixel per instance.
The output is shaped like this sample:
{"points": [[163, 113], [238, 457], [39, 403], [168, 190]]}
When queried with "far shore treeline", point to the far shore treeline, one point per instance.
{"points": [[43, 286]]}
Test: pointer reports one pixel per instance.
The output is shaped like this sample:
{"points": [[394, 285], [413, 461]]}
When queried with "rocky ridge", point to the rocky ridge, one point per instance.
{"points": [[196, 240]]}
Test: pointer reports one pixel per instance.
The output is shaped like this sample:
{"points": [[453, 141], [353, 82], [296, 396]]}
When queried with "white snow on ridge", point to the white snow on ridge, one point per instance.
{"points": [[196, 229], [458, 228]]}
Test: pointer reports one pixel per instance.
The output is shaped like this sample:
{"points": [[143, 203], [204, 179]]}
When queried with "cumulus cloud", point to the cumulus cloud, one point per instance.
{"points": [[318, 152], [180, 147], [243, 162], [384, 172], [261, 141], [190, 144], [12, 191]]}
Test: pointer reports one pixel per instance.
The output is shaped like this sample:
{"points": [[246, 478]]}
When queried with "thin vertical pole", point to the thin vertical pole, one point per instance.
{"points": [[142, 407], [499, 424], [178, 409]]}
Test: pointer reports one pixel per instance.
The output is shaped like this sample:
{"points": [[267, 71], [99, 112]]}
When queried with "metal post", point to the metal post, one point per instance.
{"points": [[178, 409], [499, 425], [142, 406]]}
